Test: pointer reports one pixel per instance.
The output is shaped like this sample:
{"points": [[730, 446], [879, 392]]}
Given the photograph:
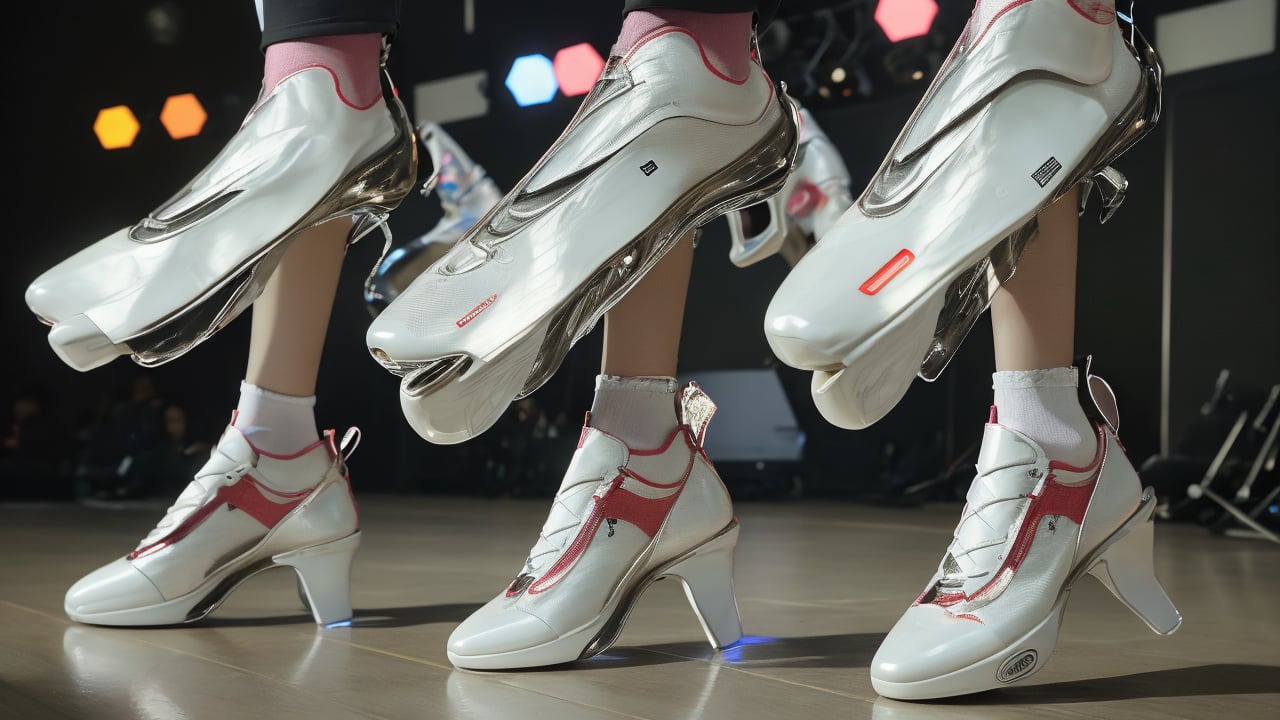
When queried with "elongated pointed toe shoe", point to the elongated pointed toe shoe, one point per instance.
{"points": [[622, 519], [233, 521], [1031, 529], [661, 145], [816, 194], [1034, 100], [303, 156]]}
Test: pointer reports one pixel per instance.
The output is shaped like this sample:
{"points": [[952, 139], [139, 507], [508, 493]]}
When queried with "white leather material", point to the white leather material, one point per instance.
{"points": [[561, 597], [980, 607], [205, 537], [672, 112], [1043, 90], [292, 150], [118, 585]]}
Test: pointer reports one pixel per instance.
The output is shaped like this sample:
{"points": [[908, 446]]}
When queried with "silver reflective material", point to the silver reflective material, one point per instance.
{"points": [[970, 294], [369, 193], [756, 175], [466, 193]]}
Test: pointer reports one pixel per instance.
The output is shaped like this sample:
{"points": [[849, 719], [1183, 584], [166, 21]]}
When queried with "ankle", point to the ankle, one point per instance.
{"points": [[1044, 405], [640, 411], [275, 423], [725, 38], [354, 61]]}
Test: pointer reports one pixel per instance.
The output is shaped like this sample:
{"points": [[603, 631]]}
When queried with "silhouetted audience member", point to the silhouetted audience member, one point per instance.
{"points": [[36, 450]]}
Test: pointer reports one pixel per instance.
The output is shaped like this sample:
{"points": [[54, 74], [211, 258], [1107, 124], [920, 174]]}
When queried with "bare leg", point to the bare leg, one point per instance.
{"points": [[642, 332], [1033, 327], [1033, 317], [291, 316]]}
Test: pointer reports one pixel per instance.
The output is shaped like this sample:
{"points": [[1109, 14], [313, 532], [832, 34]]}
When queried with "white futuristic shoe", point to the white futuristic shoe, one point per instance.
{"points": [[816, 194], [1031, 528], [661, 145], [465, 192], [622, 519], [303, 156], [1034, 100], [230, 523]]}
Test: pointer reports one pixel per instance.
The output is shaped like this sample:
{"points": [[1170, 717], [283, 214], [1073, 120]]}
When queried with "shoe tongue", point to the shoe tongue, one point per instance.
{"points": [[1005, 471], [598, 457]]}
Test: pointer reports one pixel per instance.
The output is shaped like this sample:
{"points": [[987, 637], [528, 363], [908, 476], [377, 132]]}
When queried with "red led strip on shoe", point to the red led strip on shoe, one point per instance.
{"points": [[876, 283]]}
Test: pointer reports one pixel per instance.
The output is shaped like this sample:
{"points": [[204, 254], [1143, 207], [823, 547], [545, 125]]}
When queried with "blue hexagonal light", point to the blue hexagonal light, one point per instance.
{"points": [[532, 80]]}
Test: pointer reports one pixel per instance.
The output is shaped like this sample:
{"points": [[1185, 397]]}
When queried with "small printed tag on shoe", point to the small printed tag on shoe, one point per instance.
{"points": [[1046, 171], [649, 168]]}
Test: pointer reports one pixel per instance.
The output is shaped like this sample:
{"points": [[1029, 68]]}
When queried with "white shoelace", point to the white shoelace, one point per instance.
{"points": [[554, 534], [195, 495], [985, 535]]}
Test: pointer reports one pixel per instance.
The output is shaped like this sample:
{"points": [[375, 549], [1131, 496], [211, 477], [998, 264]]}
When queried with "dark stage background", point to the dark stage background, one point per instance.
{"points": [[1180, 284]]}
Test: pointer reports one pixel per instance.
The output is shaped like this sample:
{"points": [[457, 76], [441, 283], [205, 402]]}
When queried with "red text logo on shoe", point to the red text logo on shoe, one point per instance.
{"points": [[475, 311], [247, 495]]}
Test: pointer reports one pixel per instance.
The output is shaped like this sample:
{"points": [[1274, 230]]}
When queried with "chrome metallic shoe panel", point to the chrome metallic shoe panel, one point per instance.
{"points": [[659, 147], [816, 194], [962, 178], [466, 193], [156, 289]]}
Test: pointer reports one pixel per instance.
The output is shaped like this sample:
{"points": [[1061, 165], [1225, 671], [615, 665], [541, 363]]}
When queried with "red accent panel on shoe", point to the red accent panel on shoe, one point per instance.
{"points": [[1094, 11], [621, 504], [889, 271], [247, 495], [1070, 501], [701, 50], [806, 198]]}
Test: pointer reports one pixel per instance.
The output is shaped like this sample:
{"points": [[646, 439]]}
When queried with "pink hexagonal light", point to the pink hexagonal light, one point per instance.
{"points": [[902, 19], [577, 69]]}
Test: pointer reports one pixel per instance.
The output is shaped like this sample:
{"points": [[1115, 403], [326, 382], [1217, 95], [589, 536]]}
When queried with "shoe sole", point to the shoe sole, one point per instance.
{"points": [[713, 603], [534, 355], [322, 571]]}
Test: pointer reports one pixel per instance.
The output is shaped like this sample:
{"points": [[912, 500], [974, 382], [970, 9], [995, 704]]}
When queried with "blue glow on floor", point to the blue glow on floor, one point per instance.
{"points": [[340, 623], [733, 653]]}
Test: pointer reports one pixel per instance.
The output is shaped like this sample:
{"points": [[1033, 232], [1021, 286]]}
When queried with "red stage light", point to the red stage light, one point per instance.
{"points": [[577, 69], [902, 19]]}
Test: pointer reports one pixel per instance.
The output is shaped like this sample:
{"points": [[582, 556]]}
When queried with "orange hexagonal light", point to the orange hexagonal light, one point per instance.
{"points": [[183, 116], [577, 69], [116, 127], [902, 19]]}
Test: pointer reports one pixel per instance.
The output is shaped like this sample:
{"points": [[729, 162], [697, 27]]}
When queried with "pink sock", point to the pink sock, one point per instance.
{"points": [[353, 59], [725, 37]]}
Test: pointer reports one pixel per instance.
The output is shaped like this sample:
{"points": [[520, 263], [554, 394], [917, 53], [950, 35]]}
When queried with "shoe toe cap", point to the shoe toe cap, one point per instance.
{"points": [[495, 629], [113, 587], [928, 642]]}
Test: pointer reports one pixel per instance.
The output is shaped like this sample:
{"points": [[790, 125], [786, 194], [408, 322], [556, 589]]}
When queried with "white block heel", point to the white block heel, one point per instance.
{"points": [[1127, 571], [325, 574], [707, 575]]}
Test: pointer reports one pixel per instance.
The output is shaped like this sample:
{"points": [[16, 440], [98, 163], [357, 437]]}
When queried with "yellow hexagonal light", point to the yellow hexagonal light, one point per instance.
{"points": [[183, 116], [116, 127]]}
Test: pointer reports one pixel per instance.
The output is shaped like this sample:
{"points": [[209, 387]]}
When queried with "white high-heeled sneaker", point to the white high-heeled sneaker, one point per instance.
{"points": [[622, 519], [230, 523], [1031, 528], [1036, 98], [662, 144], [303, 156]]}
